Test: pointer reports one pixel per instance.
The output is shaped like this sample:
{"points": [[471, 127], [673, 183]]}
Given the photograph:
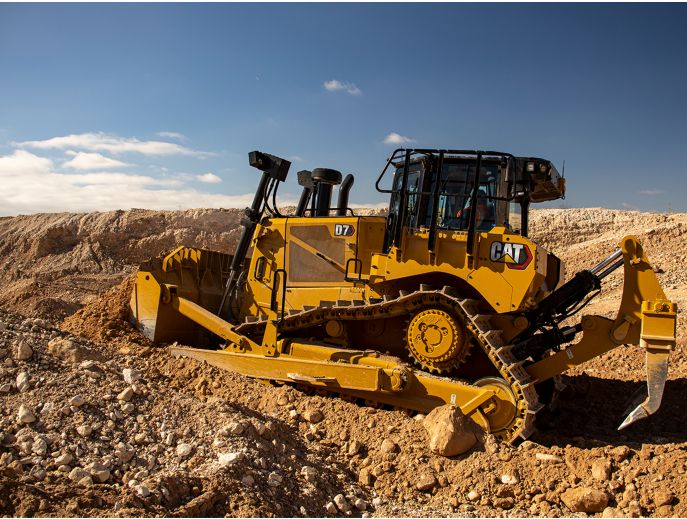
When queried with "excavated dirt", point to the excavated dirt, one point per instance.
{"points": [[122, 429]]}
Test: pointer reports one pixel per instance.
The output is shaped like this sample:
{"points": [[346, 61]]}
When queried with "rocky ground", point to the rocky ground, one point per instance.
{"points": [[98, 422]]}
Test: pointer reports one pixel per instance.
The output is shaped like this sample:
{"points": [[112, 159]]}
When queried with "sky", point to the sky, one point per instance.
{"points": [[113, 106]]}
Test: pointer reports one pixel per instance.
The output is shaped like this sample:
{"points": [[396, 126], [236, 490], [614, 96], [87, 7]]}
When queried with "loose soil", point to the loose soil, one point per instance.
{"points": [[123, 429]]}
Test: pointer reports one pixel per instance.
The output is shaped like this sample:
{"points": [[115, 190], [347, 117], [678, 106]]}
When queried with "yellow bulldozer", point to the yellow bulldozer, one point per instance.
{"points": [[444, 300]]}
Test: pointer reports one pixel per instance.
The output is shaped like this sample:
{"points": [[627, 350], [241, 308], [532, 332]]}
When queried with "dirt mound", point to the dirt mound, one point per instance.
{"points": [[52, 264], [107, 319], [127, 430]]}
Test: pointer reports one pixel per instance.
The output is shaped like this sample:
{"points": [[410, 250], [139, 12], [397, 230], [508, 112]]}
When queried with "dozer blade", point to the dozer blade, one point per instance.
{"points": [[656, 375]]}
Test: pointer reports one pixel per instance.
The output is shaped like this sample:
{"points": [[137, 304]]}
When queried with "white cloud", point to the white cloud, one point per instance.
{"points": [[24, 162], [334, 85], [111, 143], [397, 138], [86, 161], [296, 158], [208, 178], [172, 135], [29, 184], [650, 192]]}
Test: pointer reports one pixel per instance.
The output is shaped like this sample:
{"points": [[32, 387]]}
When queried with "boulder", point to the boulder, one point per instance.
{"points": [[450, 432]]}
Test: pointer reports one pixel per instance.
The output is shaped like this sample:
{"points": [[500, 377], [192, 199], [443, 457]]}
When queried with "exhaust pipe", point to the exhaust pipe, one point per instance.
{"points": [[342, 204], [325, 179]]}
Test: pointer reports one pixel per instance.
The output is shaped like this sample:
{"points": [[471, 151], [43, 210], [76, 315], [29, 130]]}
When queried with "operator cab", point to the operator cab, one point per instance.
{"points": [[437, 190]]}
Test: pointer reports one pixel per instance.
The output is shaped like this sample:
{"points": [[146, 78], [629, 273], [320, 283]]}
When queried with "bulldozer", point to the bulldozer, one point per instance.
{"points": [[442, 300]]}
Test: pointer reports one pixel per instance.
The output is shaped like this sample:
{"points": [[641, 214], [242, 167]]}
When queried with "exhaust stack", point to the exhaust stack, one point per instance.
{"points": [[324, 179], [345, 188]]}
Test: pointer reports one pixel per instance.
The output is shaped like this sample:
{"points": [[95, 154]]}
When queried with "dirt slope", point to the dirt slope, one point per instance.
{"points": [[173, 437]]}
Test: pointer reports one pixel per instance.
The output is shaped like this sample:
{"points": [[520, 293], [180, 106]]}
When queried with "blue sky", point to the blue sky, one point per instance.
{"points": [[108, 106]]}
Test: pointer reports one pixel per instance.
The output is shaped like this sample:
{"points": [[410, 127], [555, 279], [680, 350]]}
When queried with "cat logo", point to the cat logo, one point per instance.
{"points": [[342, 229], [514, 255]]}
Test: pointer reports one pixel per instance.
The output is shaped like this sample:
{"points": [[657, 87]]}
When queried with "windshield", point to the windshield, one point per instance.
{"points": [[455, 192], [453, 208]]}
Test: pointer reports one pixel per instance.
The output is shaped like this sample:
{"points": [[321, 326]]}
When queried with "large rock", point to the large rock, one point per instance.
{"points": [[71, 351], [450, 432], [584, 499]]}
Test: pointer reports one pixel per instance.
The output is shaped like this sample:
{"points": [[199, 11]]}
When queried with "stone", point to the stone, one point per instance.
{"points": [[77, 401], [25, 415], [663, 497], [450, 433], [98, 471], [504, 503], [585, 499], [142, 490], [126, 395], [381, 468], [22, 382], [40, 446], [360, 504], [389, 446], [64, 459], [377, 502], [354, 447], [601, 469], [330, 508], [341, 503], [548, 458], [235, 428], [184, 450], [426, 482], [313, 415], [248, 480], [70, 351], [84, 430], [140, 438], [510, 478], [620, 453], [78, 473], [124, 452], [309, 473], [274, 479], [23, 351], [365, 477], [5, 388], [85, 481], [473, 495], [38, 473], [227, 459], [170, 438], [128, 408], [612, 512], [130, 375]]}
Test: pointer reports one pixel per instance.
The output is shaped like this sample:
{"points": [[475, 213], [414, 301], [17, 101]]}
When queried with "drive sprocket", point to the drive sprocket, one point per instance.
{"points": [[436, 340]]}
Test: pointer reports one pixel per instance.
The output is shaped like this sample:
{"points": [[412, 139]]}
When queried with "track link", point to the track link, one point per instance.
{"points": [[466, 310]]}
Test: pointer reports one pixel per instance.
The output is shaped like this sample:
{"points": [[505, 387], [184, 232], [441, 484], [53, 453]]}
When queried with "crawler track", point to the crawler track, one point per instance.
{"points": [[466, 310]]}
